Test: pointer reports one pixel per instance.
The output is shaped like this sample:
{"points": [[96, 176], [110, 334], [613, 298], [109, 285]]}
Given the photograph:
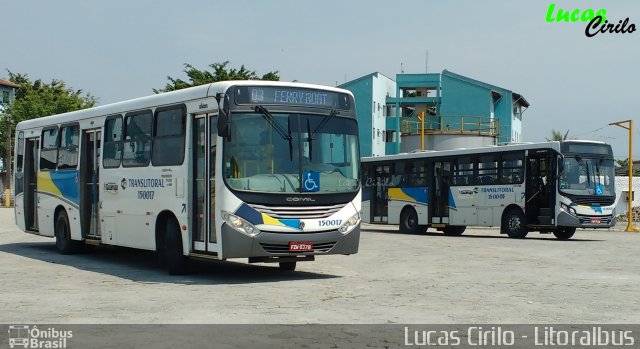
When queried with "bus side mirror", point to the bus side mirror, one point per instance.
{"points": [[224, 116]]}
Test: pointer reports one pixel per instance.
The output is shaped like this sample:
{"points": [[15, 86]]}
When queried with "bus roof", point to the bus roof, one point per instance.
{"points": [[167, 98], [473, 151]]}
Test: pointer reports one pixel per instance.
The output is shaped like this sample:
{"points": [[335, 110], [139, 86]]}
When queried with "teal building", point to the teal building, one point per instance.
{"points": [[435, 111]]}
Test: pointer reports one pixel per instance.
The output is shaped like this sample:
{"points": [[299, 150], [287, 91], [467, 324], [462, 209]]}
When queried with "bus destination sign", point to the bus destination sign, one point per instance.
{"points": [[270, 95]]}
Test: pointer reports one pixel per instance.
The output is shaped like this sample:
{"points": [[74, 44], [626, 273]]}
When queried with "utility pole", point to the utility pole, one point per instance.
{"points": [[630, 227]]}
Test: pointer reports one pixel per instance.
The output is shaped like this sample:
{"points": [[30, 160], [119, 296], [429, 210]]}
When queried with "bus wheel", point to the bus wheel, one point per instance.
{"points": [[287, 266], [514, 224], [454, 230], [564, 233], [175, 261], [409, 221], [64, 244]]}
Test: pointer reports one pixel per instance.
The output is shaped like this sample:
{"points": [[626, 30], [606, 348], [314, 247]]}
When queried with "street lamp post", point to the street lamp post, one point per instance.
{"points": [[630, 227]]}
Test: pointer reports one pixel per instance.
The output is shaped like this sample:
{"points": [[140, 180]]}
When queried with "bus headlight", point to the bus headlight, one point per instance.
{"points": [[568, 209], [240, 224], [346, 227]]}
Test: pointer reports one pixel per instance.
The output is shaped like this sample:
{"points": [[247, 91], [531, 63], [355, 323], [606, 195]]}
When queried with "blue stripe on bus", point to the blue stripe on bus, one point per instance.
{"points": [[452, 202], [249, 214], [67, 182], [419, 194]]}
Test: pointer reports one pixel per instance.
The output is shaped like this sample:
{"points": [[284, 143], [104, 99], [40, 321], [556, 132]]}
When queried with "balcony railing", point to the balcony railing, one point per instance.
{"points": [[467, 125]]}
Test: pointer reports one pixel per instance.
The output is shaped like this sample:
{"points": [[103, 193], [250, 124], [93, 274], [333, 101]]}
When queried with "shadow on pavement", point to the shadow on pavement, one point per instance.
{"points": [[142, 266], [531, 236]]}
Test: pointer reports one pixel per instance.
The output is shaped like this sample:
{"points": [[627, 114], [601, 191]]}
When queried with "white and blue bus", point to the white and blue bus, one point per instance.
{"points": [[552, 187], [268, 171]]}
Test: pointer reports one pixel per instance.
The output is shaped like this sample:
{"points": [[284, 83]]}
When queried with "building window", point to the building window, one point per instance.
{"points": [[390, 136], [5, 97]]}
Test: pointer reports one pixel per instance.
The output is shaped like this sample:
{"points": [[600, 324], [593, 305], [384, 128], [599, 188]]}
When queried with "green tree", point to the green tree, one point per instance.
{"points": [[624, 163], [37, 99], [220, 73], [557, 135]]}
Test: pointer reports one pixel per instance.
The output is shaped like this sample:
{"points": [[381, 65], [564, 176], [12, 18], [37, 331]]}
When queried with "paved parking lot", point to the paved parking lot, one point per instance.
{"points": [[479, 277]]}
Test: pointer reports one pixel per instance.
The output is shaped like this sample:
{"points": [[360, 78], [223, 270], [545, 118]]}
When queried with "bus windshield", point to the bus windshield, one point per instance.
{"points": [[590, 176], [271, 153]]}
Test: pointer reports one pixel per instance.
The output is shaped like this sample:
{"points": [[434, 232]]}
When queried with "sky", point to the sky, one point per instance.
{"points": [[122, 49]]}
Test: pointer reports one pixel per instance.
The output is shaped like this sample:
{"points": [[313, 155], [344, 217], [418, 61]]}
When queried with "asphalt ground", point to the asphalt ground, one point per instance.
{"points": [[479, 277]]}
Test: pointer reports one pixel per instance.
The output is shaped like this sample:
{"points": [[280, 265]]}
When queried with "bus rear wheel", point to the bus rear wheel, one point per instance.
{"points": [[409, 221], [175, 261], [564, 233], [514, 224], [287, 266], [454, 230], [62, 231]]}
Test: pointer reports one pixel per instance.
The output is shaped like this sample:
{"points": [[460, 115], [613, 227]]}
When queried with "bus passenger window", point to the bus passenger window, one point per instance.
{"points": [[68, 152], [49, 149], [137, 139], [112, 142], [169, 137]]}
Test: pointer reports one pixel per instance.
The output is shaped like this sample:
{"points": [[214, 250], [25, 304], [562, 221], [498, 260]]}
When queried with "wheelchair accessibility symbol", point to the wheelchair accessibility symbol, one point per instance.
{"points": [[311, 181]]}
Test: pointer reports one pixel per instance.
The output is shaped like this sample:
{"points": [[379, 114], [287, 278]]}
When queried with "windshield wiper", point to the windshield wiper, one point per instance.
{"points": [[276, 126], [273, 122], [324, 121], [310, 140]]}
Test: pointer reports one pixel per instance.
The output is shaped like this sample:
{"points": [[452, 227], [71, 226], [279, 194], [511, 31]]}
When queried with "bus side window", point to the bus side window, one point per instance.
{"points": [[49, 149], [169, 136], [112, 142], [511, 168], [488, 169], [137, 139], [20, 152], [68, 151]]}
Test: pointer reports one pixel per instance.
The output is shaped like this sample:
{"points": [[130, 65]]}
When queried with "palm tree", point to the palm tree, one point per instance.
{"points": [[556, 135]]}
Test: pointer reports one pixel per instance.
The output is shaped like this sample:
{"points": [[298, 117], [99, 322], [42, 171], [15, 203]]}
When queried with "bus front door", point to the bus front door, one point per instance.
{"points": [[540, 189], [89, 178], [31, 184], [380, 199], [441, 180], [203, 206]]}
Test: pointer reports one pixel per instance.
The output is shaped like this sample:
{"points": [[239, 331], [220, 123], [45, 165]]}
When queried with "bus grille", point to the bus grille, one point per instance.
{"points": [[594, 201], [602, 219], [298, 212], [284, 249]]}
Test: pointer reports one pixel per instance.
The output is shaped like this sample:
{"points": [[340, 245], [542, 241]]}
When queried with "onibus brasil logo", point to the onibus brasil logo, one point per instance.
{"points": [[24, 336]]}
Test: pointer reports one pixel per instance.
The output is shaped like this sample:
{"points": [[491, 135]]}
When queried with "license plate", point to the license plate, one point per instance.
{"points": [[295, 246], [595, 221]]}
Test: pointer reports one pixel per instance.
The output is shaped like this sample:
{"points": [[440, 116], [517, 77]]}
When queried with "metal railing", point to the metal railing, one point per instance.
{"points": [[469, 125]]}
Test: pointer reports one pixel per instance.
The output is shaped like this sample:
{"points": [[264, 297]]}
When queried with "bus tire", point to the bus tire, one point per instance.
{"points": [[454, 230], [514, 224], [175, 261], [62, 231], [409, 221], [287, 266], [564, 233]]}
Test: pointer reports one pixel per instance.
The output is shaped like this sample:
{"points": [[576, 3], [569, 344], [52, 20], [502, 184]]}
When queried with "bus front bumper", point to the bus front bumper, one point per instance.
{"points": [[270, 244], [566, 219]]}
